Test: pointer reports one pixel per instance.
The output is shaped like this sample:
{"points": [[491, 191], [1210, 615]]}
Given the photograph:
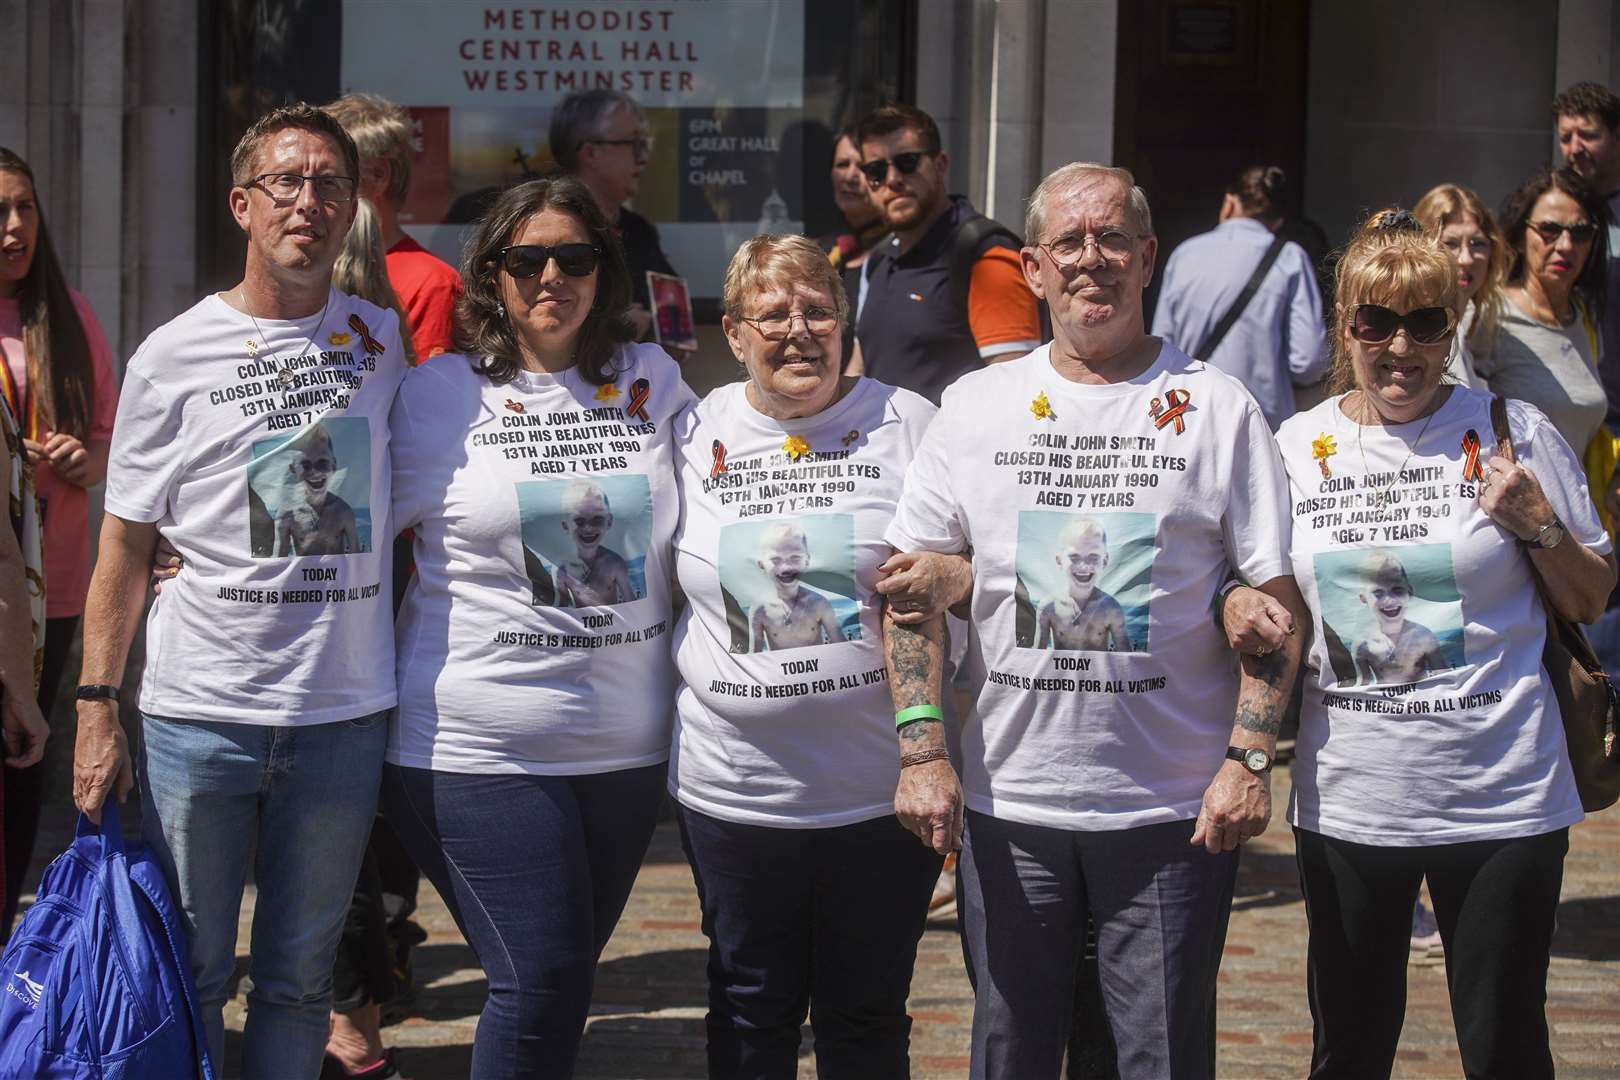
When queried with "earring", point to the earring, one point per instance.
{"points": [[500, 309]]}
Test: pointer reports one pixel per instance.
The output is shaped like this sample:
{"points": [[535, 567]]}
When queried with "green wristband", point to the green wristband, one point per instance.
{"points": [[916, 713]]}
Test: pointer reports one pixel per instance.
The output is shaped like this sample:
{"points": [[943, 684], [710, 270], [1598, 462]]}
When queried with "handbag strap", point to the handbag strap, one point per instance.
{"points": [[1504, 446], [1217, 335]]}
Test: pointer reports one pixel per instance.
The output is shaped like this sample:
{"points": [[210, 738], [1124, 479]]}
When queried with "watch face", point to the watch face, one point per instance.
{"points": [[1256, 760]]}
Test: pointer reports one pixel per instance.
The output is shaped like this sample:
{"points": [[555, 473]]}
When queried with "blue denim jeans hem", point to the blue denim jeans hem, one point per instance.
{"points": [[298, 802], [536, 871]]}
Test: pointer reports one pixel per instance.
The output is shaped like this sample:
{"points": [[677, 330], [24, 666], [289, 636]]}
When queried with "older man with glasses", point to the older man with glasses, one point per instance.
{"points": [[601, 138], [268, 676], [1105, 775]]}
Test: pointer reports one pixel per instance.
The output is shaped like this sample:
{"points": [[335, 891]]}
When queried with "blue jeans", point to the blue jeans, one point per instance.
{"points": [[300, 801], [827, 919], [536, 871]]}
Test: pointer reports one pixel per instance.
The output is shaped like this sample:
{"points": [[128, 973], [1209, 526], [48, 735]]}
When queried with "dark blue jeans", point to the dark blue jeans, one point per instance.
{"points": [[536, 871], [824, 918]]}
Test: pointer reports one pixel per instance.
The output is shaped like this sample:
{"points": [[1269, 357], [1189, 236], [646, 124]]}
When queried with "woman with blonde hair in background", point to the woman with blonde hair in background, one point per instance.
{"points": [[363, 977], [1465, 227], [362, 270]]}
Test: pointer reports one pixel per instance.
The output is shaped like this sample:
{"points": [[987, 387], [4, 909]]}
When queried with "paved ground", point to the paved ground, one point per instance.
{"points": [[647, 1018]]}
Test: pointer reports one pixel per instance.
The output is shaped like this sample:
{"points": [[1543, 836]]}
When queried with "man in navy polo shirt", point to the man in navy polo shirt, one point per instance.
{"points": [[914, 329]]}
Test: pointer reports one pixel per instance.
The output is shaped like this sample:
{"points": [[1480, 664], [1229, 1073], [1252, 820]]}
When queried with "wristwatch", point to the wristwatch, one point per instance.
{"points": [[1253, 758], [96, 692], [1550, 536]]}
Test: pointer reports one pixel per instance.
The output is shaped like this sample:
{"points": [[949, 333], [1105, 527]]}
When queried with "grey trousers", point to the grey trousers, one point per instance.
{"points": [[1161, 908]]}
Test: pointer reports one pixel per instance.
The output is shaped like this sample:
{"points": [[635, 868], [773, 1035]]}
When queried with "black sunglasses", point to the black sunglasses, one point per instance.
{"points": [[529, 260], [1374, 324], [877, 170], [1550, 231]]}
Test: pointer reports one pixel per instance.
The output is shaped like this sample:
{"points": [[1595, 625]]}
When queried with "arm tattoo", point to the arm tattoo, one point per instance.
{"points": [[1271, 668], [922, 731], [1259, 717], [909, 664]]}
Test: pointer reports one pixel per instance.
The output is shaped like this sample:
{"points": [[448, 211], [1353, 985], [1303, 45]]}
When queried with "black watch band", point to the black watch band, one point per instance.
{"points": [[96, 692]]}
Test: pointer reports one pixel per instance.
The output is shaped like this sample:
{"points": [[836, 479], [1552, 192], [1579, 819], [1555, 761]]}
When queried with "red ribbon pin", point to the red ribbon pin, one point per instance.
{"points": [[515, 406], [639, 390], [1177, 400], [373, 346], [719, 459], [1472, 470]]}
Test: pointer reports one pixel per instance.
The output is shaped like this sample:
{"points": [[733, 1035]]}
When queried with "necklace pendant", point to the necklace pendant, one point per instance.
{"points": [[285, 377]]}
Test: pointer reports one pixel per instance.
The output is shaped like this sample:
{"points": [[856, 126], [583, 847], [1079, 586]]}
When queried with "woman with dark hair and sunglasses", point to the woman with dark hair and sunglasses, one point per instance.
{"points": [[57, 378], [1545, 350], [526, 763], [1430, 742]]}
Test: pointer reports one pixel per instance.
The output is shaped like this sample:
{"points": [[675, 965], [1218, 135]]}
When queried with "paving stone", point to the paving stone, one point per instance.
{"points": [[647, 1019]]}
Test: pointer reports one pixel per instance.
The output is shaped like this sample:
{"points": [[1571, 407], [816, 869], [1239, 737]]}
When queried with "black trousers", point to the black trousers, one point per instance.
{"points": [[25, 788], [825, 919], [1495, 902]]}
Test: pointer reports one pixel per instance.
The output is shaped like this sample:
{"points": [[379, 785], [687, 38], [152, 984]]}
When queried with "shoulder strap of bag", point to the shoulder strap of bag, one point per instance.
{"points": [[1235, 312], [965, 250]]}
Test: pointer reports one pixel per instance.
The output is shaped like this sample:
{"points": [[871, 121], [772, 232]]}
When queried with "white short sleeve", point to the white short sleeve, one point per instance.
{"points": [[1257, 522], [147, 454], [1562, 477], [929, 517]]}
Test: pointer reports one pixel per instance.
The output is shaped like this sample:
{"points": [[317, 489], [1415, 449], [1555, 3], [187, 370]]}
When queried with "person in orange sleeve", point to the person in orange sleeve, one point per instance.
{"points": [[427, 285], [945, 294]]}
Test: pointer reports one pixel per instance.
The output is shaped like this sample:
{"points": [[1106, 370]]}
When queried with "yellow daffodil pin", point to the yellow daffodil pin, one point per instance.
{"points": [[1322, 448], [1042, 408], [607, 392], [340, 338], [795, 447]]}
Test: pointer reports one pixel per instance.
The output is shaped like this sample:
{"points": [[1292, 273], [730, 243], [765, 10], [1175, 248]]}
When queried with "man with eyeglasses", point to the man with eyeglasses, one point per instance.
{"points": [[1114, 779], [944, 295], [600, 137], [1588, 129], [269, 674]]}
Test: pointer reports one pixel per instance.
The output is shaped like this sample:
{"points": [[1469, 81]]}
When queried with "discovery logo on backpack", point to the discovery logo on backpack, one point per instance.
{"points": [[97, 985]]}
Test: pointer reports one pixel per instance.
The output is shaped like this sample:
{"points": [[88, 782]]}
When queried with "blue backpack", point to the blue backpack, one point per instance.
{"points": [[95, 984]]}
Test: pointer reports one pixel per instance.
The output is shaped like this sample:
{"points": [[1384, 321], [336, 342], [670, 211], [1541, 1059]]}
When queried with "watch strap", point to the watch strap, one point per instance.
{"points": [[96, 692], [1540, 539], [1240, 754]]}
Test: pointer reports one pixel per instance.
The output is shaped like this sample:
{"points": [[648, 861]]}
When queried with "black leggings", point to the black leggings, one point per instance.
{"points": [[25, 788], [1495, 901]]}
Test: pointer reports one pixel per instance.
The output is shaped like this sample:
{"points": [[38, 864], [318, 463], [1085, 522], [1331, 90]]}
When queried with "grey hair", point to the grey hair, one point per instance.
{"points": [[580, 117], [1066, 180]]}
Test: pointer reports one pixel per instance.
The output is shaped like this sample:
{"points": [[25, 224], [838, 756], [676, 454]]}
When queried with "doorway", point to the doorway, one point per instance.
{"points": [[1205, 88]]}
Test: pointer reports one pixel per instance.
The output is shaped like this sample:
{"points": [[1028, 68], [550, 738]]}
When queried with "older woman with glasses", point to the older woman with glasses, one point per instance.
{"points": [[783, 764], [526, 762], [1546, 350], [1430, 742]]}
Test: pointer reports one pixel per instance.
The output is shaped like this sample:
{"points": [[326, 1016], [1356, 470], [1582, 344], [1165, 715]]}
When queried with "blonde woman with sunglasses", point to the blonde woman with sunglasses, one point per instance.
{"points": [[1413, 535]]}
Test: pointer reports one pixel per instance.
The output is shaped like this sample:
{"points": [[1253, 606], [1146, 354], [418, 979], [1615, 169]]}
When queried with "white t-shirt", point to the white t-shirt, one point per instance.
{"points": [[784, 716], [1427, 716], [534, 637], [260, 449], [1103, 518]]}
